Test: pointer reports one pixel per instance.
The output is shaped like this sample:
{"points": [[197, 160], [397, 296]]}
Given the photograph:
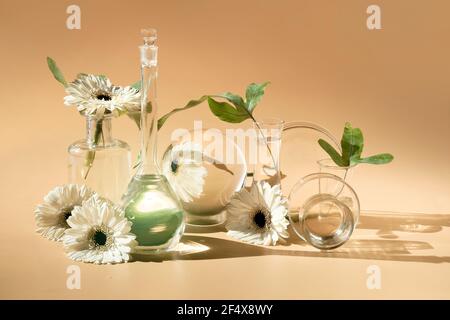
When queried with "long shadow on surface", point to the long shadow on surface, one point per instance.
{"points": [[200, 247]]}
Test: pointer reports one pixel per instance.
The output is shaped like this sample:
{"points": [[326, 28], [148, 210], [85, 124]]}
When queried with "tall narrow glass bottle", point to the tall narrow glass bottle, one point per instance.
{"points": [[150, 203]]}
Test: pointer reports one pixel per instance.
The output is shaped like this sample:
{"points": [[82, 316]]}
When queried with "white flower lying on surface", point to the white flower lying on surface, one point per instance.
{"points": [[258, 216], [99, 233], [183, 167], [51, 216], [95, 95]]}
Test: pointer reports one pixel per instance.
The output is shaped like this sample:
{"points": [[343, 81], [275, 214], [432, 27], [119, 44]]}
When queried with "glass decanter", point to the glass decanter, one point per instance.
{"points": [[150, 203], [100, 161]]}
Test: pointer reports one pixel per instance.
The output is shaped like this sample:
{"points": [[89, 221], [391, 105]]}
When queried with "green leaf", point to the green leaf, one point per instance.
{"points": [[56, 72], [136, 85], [226, 112], [254, 94], [332, 152], [136, 117], [382, 158], [352, 143], [235, 99], [189, 105]]}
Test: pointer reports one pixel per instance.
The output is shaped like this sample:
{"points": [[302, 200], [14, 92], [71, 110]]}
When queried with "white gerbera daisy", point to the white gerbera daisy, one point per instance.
{"points": [[51, 216], [95, 95], [258, 216], [99, 233], [183, 168]]}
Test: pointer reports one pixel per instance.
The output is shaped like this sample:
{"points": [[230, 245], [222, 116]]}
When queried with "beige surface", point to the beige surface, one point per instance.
{"points": [[412, 252], [324, 66]]}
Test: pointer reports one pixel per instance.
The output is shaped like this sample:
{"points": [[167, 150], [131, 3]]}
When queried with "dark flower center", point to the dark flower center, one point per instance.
{"points": [[99, 238], [174, 166], [104, 97], [260, 219], [64, 216], [67, 215]]}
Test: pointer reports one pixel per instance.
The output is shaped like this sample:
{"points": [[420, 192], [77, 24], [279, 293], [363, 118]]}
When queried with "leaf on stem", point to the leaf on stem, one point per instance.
{"points": [[332, 152], [226, 112], [189, 105], [56, 72], [235, 99], [241, 111], [382, 158], [136, 117], [253, 95], [352, 143]]}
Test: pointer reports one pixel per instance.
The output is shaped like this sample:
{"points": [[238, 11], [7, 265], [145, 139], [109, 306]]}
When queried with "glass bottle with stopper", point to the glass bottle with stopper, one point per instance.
{"points": [[150, 203]]}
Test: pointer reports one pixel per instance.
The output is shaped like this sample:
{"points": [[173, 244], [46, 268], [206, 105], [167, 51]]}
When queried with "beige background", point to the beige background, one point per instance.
{"points": [[324, 66]]}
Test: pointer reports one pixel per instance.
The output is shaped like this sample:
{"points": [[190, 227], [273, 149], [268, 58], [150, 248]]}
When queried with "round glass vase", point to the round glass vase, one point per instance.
{"points": [[99, 161], [226, 171]]}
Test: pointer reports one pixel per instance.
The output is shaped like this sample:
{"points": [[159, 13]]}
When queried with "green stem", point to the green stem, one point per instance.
{"points": [[91, 153], [264, 139]]}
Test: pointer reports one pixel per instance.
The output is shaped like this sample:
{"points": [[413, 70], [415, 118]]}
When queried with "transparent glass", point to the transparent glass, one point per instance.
{"points": [[100, 161], [323, 210], [301, 150], [266, 156], [153, 208], [226, 172], [149, 202], [328, 166]]}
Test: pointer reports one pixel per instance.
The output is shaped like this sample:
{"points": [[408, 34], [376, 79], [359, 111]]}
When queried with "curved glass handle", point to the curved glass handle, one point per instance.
{"points": [[309, 125]]}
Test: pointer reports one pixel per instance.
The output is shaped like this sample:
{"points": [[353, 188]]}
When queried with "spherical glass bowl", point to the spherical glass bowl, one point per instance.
{"points": [[226, 171]]}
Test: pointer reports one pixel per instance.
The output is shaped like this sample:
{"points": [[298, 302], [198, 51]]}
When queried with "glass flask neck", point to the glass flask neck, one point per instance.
{"points": [[149, 127], [98, 131]]}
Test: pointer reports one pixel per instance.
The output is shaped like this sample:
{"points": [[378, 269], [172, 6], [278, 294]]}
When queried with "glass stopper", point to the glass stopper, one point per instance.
{"points": [[149, 35]]}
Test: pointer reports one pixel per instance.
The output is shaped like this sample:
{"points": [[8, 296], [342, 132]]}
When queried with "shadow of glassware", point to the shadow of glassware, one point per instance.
{"points": [[200, 247], [209, 248], [388, 223], [205, 229]]}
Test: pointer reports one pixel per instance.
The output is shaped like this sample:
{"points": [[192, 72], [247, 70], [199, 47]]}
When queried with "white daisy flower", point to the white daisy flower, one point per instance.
{"points": [[99, 233], [258, 216], [51, 216], [183, 168], [95, 95]]}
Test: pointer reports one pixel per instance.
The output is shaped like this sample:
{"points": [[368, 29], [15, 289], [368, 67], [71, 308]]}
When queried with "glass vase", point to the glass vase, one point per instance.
{"points": [[100, 161], [225, 168], [266, 156], [155, 211], [323, 210], [328, 166]]}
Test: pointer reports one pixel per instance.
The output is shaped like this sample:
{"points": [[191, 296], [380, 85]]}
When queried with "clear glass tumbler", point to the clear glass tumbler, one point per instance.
{"points": [[323, 210]]}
